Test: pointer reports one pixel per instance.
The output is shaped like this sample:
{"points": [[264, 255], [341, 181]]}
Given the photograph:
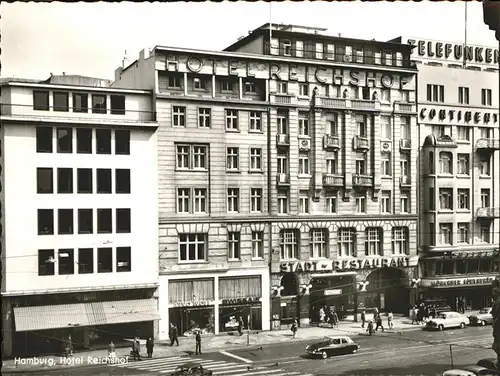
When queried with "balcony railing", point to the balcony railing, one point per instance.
{"points": [[76, 113], [488, 213], [282, 140], [405, 181], [404, 144], [331, 180], [331, 142], [362, 180], [331, 102], [360, 143], [362, 104], [405, 107], [487, 144], [283, 179], [283, 98]]}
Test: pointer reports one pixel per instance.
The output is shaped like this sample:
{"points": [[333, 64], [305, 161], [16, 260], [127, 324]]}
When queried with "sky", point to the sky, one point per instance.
{"points": [[91, 38]]}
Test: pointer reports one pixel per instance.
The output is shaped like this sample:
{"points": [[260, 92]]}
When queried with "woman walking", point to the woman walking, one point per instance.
{"points": [[294, 328]]}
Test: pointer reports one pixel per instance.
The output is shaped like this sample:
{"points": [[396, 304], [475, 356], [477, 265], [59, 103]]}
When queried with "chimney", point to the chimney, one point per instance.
{"points": [[118, 73]]}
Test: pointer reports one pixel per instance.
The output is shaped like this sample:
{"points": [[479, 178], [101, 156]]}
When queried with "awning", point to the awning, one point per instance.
{"points": [[84, 314]]}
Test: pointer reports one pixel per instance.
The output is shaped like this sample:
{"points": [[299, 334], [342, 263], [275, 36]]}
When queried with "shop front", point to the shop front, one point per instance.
{"points": [[192, 305], [240, 297]]}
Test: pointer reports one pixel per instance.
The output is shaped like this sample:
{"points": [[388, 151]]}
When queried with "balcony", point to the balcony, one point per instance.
{"points": [[362, 104], [282, 140], [487, 144], [362, 180], [331, 102], [331, 142], [331, 180], [283, 99], [488, 213], [405, 144], [283, 180], [360, 143], [405, 107], [405, 181]]}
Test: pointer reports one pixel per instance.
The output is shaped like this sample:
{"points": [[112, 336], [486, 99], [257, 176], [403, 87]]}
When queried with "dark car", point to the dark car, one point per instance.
{"points": [[490, 363], [483, 317], [332, 345], [191, 369]]}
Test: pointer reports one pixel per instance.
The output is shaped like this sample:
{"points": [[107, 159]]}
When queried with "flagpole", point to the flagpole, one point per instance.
{"points": [[465, 39], [270, 25]]}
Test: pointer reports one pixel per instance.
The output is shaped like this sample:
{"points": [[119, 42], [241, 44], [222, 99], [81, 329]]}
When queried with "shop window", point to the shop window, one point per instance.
{"points": [[427, 268], [448, 267], [61, 101], [103, 141], [46, 262], [44, 140], [104, 221], [98, 104], [80, 102], [104, 260], [84, 141], [84, 180], [104, 180], [85, 221], [65, 221], [44, 180], [122, 180], [123, 221], [66, 262], [192, 247], [85, 260], [117, 104], [64, 180], [123, 259], [40, 100], [485, 266], [461, 266], [45, 222], [122, 142], [472, 266]]}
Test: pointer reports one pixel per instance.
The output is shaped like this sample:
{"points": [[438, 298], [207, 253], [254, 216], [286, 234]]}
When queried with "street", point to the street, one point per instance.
{"points": [[406, 353]]}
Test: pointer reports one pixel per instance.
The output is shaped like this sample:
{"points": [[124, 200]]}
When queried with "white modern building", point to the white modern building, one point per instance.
{"points": [[79, 226]]}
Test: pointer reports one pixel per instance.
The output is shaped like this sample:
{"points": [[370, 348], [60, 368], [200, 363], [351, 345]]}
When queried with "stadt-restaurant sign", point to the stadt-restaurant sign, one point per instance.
{"points": [[344, 265]]}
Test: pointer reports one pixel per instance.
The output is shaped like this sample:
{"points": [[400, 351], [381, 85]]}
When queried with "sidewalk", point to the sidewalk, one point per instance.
{"points": [[210, 343]]}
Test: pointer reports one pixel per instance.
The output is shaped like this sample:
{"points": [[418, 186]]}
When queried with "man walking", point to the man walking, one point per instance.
{"points": [[149, 347], [174, 337], [198, 342], [363, 318], [378, 320]]}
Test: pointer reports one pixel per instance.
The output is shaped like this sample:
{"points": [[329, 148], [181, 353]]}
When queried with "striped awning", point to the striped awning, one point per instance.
{"points": [[84, 314]]}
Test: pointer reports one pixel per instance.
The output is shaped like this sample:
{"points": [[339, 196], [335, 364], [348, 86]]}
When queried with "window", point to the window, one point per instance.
{"points": [[174, 81], [233, 240], [123, 259], [373, 241], [44, 180], [404, 127], [65, 221], [463, 133], [103, 141], [282, 87], [484, 166], [463, 95], [282, 164], [400, 240], [255, 159], [485, 132], [41, 100], [484, 233], [192, 247], [232, 120], [445, 233], [256, 200], [250, 87], [199, 157], [46, 262], [282, 202], [446, 198], [331, 203], [66, 261], [303, 164], [233, 159], [233, 200], [385, 202], [64, 180], [385, 165], [360, 204], [463, 164], [122, 180], [463, 233], [274, 47], [319, 50], [445, 162], [85, 260], [123, 221], [330, 51], [204, 116], [303, 124], [299, 48], [61, 101], [463, 198], [44, 139], [282, 119], [287, 48], [227, 85], [365, 93], [199, 83], [84, 180], [122, 142], [104, 180], [104, 260], [183, 200], [289, 244], [404, 203], [332, 165], [385, 127], [333, 126], [347, 242], [80, 102], [304, 202], [200, 200], [361, 126], [255, 121], [85, 221], [98, 104], [84, 141], [257, 244], [179, 116], [304, 90], [182, 156], [385, 95], [319, 248], [64, 140], [435, 93], [117, 104], [104, 221], [486, 97], [485, 198], [405, 96]]}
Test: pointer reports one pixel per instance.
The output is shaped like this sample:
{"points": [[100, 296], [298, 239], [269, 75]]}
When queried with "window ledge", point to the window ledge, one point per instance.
{"points": [[463, 176], [193, 262], [445, 211], [233, 171], [443, 175], [190, 170], [199, 90], [484, 176], [304, 176], [257, 259], [462, 141], [227, 92], [387, 177], [233, 260], [255, 131], [255, 172], [467, 211], [233, 130]]}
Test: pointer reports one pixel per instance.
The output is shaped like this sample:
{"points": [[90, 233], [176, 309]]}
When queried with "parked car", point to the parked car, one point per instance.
{"points": [[483, 317], [332, 345], [191, 369], [445, 320], [490, 363]]}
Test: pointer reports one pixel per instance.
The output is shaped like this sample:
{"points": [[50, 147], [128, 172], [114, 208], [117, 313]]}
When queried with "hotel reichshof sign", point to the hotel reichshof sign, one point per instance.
{"points": [[326, 74]]}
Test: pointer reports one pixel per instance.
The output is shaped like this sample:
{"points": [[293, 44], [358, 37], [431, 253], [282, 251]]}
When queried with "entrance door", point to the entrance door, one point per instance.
{"points": [[387, 291]]}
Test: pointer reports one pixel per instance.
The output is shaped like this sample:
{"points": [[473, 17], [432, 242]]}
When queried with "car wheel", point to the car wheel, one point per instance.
{"points": [[462, 325], [483, 323], [324, 355], [440, 327]]}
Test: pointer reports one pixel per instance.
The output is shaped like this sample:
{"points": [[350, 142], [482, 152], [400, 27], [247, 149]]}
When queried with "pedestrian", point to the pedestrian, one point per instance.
{"points": [[149, 347], [294, 328], [335, 319], [363, 318], [369, 329], [198, 342], [240, 326], [136, 349], [379, 323], [342, 313], [321, 315], [390, 320], [111, 350], [173, 335], [69, 346]]}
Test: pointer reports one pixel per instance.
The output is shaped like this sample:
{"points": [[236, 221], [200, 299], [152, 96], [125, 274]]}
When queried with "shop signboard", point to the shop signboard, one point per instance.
{"points": [[444, 115], [330, 292], [345, 265], [248, 300], [457, 282], [193, 303]]}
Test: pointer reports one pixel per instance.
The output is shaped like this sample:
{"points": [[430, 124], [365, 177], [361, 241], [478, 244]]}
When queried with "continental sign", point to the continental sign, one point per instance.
{"points": [[284, 72], [344, 265], [457, 116]]}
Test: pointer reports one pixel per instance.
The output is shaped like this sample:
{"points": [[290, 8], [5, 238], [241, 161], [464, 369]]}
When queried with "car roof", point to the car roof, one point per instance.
{"points": [[458, 372], [335, 337], [190, 364]]}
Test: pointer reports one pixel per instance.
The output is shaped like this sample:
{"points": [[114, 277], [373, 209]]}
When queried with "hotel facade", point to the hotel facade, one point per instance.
{"points": [[78, 214], [286, 177]]}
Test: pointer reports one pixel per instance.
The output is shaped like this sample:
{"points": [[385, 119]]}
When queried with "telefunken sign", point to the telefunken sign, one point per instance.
{"points": [[343, 265], [286, 72], [455, 52], [433, 114]]}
